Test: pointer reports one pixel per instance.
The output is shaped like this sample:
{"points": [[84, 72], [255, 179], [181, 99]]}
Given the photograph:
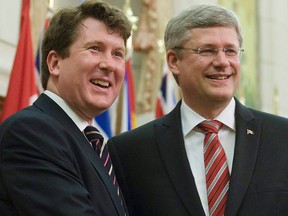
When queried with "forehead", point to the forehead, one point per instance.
{"points": [[91, 29], [214, 35]]}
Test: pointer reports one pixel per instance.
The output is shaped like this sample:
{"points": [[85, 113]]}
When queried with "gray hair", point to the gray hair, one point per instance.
{"points": [[199, 16]]}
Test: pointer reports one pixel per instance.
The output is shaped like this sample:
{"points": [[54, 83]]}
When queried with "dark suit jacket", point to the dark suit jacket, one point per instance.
{"points": [[153, 169], [49, 168]]}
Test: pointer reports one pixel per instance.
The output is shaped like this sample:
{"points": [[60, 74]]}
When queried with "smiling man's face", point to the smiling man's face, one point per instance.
{"points": [[90, 79], [208, 81]]}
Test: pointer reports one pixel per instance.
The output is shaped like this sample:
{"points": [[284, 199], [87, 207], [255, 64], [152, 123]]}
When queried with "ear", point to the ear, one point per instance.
{"points": [[52, 61], [172, 62]]}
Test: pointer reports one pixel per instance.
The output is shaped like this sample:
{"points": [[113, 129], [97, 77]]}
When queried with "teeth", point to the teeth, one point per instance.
{"points": [[219, 78], [101, 83]]}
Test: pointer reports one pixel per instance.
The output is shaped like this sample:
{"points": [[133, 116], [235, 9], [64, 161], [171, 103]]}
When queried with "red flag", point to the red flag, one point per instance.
{"points": [[22, 89]]}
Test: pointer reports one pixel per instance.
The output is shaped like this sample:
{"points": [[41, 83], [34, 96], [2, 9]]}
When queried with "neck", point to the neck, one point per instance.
{"points": [[208, 110]]}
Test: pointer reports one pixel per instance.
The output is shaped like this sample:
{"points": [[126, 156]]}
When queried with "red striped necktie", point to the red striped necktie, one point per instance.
{"points": [[216, 168]]}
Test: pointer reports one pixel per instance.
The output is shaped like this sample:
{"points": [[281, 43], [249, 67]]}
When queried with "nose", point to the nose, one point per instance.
{"points": [[103, 65], [106, 63], [221, 59]]}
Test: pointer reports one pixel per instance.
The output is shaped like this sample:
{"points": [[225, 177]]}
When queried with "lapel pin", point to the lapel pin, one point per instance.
{"points": [[250, 132]]}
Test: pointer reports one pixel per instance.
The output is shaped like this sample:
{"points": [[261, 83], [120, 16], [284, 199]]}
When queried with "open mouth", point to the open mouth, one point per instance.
{"points": [[218, 77], [100, 83]]}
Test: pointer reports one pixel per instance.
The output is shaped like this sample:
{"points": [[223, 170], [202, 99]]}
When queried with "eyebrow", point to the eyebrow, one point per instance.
{"points": [[213, 45], [96, 42]]}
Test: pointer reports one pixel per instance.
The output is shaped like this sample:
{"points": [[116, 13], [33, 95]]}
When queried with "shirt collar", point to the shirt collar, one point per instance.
{"points": [[81, 123], [191, 119], [227, 116]]}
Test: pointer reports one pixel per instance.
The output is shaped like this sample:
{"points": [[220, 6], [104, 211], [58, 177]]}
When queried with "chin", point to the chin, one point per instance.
{"points": [[222, 98], [104, 106]]}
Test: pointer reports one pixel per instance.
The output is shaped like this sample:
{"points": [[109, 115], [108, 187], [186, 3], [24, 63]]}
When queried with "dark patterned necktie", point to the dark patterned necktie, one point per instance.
{"points": [[216, 168], [96, 140]]}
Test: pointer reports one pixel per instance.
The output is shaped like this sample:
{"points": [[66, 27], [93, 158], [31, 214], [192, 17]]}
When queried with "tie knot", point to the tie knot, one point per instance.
{"points": [[94, 137], [210, 126]]}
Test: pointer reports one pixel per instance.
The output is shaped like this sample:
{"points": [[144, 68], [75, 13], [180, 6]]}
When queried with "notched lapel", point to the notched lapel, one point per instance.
{"points": [[174, 157], [245, 155]]}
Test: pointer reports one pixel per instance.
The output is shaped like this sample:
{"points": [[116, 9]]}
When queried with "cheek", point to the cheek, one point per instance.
{"points": [[237, 71], [120, 75], [190, 74], [238, 80]]}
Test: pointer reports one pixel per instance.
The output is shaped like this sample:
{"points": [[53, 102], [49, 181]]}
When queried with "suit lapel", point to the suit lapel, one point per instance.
{"points": [[47, 105], [245, 154], [174, 157]]}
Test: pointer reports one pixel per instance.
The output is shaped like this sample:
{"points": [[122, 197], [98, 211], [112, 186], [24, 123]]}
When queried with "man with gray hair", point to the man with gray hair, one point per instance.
{"points": [[211, 155]]}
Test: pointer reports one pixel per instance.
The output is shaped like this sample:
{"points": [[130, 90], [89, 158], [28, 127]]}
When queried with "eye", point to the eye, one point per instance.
{"points": [[206, 51], [95, 48], [230, 51], [119, 54]]}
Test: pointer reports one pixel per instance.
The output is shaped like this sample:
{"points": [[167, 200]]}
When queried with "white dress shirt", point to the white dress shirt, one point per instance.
{"points": [[81, 123], [193, 140]]}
